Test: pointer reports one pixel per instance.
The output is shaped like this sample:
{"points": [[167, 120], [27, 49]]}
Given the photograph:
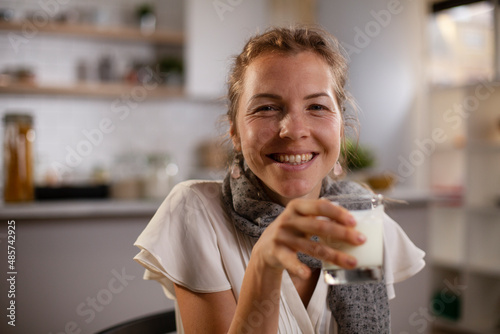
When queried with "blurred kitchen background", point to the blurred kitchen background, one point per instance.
{"points": [[120, 100]]}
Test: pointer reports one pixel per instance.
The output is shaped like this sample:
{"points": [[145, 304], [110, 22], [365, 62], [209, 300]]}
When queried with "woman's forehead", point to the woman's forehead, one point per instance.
{"points": [[304, 70]]}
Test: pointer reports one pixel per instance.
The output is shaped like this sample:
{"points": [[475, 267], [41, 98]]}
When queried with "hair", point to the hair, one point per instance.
{"points": [[291, 41]]}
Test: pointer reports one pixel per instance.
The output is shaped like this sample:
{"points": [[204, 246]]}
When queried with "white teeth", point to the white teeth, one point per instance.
{"points": [[294, 159]]}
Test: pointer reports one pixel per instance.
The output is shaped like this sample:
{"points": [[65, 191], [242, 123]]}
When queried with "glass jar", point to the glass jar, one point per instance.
{"points": [[128, 172], [160, 177], [19, 137]]}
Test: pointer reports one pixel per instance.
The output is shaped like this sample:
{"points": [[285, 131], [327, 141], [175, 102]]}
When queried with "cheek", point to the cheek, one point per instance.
{"points": [[332, 135], [254, 136]]}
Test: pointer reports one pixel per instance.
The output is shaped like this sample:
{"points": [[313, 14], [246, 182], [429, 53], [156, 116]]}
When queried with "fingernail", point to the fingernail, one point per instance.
{"points": [[351, 261], [351, 221], [361, 237]]}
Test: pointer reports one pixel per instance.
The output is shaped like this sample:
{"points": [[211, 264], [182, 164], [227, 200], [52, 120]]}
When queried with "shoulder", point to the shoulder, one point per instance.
{"points": [[403, 258], [202, 188], [189, 206], [347, 187], [181, 243], [205, 192], [190, 216]]}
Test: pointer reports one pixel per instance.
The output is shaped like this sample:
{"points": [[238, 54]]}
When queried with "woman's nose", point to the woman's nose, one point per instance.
{"points": [[294, 125]]}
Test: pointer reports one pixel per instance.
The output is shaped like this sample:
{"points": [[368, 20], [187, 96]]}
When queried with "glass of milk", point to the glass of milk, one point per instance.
{"points": [[368, 210]]}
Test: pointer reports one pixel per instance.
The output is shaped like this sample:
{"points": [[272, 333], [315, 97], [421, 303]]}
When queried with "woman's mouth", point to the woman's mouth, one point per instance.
{"points": [[292, 159]]}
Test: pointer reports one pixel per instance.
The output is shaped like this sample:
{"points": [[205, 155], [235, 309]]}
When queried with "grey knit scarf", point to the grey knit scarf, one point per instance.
{"points": [[357, 308]]}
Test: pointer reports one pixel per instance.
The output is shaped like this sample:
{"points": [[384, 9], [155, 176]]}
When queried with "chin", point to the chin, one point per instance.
{"points": [[293, 191]]}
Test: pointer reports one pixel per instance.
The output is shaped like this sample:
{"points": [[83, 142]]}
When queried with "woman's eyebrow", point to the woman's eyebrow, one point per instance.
{"points": [[267, 95], [312, 96], [278, 97]]}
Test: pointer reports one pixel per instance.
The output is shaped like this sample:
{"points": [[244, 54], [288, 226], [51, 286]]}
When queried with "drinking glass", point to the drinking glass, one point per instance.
{"points": [[368, 211]]}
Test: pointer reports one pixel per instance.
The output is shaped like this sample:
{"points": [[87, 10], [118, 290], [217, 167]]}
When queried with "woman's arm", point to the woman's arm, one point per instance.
{"points": [[205, 312], [214, 312], [257, 310]]}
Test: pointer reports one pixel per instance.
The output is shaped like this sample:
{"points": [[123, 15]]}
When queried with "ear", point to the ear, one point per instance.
{"points": [[234, 137]]}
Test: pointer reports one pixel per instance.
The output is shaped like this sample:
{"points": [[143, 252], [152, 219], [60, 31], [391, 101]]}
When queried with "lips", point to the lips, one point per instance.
{"points": [[292, 159]]}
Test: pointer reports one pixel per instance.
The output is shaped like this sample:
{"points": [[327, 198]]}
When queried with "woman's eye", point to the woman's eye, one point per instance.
{"points": [[266, 108], [317, 107]]}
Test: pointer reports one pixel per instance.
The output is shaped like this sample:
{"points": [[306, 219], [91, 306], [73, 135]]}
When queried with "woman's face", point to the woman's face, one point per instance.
{"points": [[288, 124]]}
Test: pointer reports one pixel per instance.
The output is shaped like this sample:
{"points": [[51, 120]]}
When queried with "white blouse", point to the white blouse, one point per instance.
{"points": [[191, 241]]}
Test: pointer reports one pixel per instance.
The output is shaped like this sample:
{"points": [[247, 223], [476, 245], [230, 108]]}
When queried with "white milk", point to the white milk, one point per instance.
{"points": [[369, 254]]}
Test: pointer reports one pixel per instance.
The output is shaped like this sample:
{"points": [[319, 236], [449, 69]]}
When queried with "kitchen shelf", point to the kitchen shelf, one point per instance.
{"points": [[446, 264], [160, 37], [448, 149], [448, 326], [463, 238], [488, 269], [484, 147], [96, 90]]}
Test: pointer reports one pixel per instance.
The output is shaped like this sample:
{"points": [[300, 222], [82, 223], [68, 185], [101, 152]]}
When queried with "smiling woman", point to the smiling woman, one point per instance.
{"points": [[241, 255]]}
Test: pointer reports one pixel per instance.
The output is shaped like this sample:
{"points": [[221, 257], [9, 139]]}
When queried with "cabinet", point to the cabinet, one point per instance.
{"points": [[20, 33], [76, 248], [464, 247]]}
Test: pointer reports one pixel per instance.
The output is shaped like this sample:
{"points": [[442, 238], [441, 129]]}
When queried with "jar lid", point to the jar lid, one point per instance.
{"points": [[18, 118]]}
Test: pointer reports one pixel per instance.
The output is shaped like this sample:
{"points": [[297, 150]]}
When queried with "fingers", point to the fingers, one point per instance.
{"points": [[326, 229], [291, 233], [322, 208], [317, 250], [293, 265], [326, 220]]}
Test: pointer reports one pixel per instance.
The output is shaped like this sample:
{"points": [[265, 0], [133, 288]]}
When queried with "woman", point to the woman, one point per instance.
{"points": [[237, 256]]}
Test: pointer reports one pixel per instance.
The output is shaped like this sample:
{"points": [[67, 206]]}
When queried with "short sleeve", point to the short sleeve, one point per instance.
{"points": [[402, 259], [179, 245]]}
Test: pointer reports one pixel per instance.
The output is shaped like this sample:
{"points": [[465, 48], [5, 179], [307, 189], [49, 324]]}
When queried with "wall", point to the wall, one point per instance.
{"points": [[385, 41], [217, 30], [176, 127]]}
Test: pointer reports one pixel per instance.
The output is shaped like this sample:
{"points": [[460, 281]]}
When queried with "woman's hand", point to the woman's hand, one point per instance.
{"points": [[291, 232]]}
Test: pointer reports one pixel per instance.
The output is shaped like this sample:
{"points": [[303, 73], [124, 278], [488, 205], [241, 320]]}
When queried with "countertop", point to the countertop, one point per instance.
{"points": [[78, 209], [38, 210], [406, 197]]}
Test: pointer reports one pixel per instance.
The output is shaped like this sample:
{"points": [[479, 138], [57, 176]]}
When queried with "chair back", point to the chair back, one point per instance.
{"points": [[159, 323]]}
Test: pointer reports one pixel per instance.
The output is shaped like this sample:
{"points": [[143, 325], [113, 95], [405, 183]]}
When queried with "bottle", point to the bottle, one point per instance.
{"points": [[19, 137]]}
